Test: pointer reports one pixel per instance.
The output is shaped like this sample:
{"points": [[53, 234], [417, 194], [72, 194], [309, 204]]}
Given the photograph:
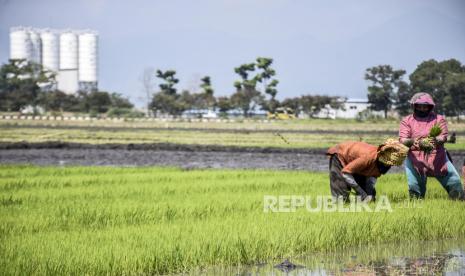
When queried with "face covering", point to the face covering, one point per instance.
{"points": [[422, 114], [383, 168]]}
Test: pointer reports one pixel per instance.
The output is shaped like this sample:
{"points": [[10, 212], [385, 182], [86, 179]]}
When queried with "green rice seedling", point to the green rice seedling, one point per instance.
{"points": [[107, 220], [427, 144], [435, 130]]}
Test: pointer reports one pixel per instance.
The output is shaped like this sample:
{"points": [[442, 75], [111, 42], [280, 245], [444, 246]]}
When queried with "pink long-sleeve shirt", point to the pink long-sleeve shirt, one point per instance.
{"points": [[435, 162]]}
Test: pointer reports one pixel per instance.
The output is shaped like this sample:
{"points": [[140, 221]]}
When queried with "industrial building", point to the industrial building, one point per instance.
{"points": [[71, 54]]}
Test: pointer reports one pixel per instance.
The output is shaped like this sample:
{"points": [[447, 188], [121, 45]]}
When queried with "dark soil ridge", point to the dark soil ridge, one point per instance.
{"points": [[215, 130]]}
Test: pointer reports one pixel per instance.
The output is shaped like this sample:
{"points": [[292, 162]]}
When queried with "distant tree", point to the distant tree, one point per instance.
{"points": [[124, 112], [454, 101], [246, 100], [293, 103], [206, 98], [433, 77], [57, 101], [313, 104], [187, 100], [20, 84], [167, 100], [307, 104], [383, 89], [402, 99], [243, 71], [118, 101], [94, 101], [224, 104], [167, 104], [207, 85], [246, 97], [264, 77], [169, 81], [83, 101]]}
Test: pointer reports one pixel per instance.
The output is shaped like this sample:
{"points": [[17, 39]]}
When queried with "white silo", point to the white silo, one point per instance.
{"points": [[20, 44], [68, 51], [50, 46], [67, 77], [36, 46], [88, 59]]}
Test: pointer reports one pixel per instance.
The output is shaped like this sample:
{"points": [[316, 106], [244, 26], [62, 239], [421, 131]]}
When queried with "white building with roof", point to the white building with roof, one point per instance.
{"points": [[351, 108]]}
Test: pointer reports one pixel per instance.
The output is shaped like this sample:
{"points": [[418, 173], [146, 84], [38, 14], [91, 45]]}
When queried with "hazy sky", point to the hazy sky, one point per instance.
{"points": [[319, 47]]}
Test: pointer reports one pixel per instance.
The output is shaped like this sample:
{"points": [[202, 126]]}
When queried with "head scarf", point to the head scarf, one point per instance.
{"points": [[422, 98]]}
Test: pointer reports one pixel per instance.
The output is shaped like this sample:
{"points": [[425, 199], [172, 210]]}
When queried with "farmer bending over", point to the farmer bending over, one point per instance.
{"points": [[427, 156], [357, 165]]}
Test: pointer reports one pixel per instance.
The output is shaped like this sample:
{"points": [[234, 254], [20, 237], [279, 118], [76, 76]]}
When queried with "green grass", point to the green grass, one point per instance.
{"points": [[100, 220], [241, 139]]}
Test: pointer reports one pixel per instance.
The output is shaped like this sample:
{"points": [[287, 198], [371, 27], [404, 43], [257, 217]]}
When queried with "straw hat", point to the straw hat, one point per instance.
{"points": [[392, 152]]}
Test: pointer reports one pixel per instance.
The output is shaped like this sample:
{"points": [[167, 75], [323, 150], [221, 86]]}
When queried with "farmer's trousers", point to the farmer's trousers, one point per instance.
{"points": [[339, 187], [417, 183]]}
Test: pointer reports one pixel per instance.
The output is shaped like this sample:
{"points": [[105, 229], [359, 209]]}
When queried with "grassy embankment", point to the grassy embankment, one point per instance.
{"points": [[187, 133], [84, 220]]}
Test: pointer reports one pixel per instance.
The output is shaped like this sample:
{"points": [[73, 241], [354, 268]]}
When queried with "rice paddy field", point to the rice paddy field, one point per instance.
{"points": [[146, 220], [282, 134], [234, 124]]}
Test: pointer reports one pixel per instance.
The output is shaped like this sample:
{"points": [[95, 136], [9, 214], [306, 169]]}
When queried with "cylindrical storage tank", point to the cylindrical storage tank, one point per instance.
{"points": [[36, 47], [50, 48], [68, 51], [20, 44], [88, 59]]}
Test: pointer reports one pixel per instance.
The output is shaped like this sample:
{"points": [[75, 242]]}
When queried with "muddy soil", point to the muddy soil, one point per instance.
{"points": [[184, 156], [183, 159], [446, 257]]}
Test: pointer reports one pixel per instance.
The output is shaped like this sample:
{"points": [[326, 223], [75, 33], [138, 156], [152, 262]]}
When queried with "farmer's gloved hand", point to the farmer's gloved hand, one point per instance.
{"points": [[353, 184]]}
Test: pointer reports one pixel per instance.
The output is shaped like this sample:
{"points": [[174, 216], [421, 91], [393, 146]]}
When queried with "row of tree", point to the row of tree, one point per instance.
{"points": [[247, 96], [255, 89], [444, 80], [25, 84]]}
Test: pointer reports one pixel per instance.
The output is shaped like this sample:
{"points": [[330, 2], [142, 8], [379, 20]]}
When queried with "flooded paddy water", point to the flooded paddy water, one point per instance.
{"points": [[445, 257]]}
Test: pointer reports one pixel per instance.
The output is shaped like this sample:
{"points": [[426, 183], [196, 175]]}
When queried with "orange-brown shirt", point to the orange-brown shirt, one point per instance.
{"points": [[357, 158]]}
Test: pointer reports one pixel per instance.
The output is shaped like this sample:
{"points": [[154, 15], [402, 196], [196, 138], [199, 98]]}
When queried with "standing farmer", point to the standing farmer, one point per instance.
{"points": [[415, 133], [357, 165]]}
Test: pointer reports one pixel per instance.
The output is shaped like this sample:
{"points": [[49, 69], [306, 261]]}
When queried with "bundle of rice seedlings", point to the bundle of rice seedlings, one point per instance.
{"points": [[427, 144], [435, 131]]}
